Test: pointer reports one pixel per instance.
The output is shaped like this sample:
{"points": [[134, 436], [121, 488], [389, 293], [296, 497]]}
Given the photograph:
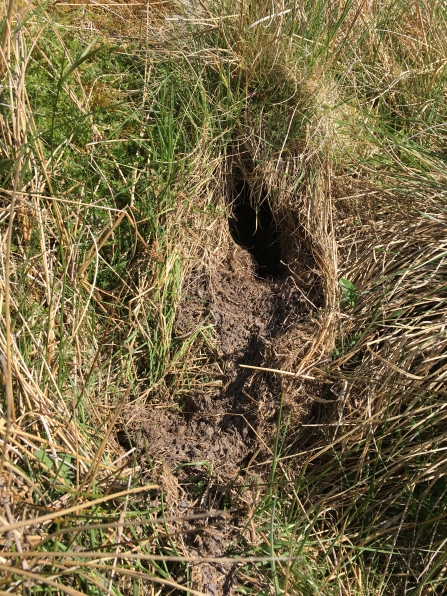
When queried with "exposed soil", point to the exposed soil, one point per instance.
{"points": [[221, 427], [247, 312]]}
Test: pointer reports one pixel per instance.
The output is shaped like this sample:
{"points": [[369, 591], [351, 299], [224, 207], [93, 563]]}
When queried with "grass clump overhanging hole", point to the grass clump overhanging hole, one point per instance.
{"points": [[116, 133]]}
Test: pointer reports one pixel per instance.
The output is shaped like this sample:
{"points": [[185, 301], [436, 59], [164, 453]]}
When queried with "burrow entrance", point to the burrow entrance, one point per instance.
{"points": [[257, 291], [254, 228]]}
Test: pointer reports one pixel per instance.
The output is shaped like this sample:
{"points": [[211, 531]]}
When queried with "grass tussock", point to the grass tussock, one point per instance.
{"points": [[121, 130]]}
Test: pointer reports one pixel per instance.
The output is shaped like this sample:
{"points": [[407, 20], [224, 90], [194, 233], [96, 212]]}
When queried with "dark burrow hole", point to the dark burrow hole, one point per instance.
{"points": [[255, 230], [124, 440]]}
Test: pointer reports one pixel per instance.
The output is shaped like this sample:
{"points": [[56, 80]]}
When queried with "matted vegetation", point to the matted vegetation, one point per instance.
{"points": [[128, 132]]}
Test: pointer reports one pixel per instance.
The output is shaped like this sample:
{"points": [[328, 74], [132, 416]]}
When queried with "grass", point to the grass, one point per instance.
{"points": [[116, 124]]}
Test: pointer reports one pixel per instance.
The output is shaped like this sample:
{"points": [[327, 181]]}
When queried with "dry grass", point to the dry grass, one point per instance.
{"points": [[337, 115]]}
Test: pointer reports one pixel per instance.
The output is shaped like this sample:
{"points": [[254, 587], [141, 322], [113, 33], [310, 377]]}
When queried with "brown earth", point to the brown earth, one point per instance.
{"points": [[247, 313], [202, 449]]}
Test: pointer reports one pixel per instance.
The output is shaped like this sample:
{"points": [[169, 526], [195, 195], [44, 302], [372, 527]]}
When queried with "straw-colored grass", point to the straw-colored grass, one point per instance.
{"points": [[120, 124]]}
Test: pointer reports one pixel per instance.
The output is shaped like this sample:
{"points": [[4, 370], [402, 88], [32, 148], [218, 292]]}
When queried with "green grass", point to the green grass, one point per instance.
{"points": [[113, 165]]}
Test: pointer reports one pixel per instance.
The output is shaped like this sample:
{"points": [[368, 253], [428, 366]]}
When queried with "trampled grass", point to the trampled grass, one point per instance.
{"points": [[116, 124]]}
